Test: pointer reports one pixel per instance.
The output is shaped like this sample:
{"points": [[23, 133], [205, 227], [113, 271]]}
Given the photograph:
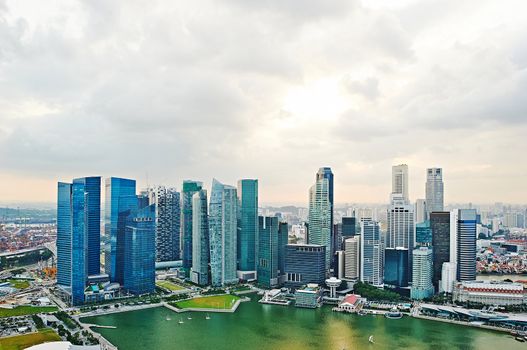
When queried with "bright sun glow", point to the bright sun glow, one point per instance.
{"points": [[316, 100]]}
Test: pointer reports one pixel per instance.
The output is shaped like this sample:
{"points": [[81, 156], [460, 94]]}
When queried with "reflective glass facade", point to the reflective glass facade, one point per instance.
{"points": [[396, 267], [64, 212], [304, 263], [120, 201], [139, 251], [248, 224], [423, 233], [187, 192], [200, 238], [466, 245], [267, 266], [440, 226]]}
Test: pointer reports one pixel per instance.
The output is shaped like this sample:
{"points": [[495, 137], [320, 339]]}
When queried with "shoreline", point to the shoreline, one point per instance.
{"points": [[461, 323]]}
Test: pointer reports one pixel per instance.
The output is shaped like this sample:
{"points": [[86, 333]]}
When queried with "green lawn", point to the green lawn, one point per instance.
{"points": [[26, 310], [213, 302], [169, 285], [19, 284], [19, 342]]}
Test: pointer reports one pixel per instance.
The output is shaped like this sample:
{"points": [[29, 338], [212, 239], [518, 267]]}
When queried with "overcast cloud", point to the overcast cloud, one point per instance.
{"points": [[162, 91]]}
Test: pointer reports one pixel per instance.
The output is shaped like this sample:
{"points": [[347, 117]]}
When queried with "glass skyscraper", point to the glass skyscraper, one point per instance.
{"points": [[187, 192], [248, 225], [321, 212], [139, 251], [440, 226], [168, 215], [434, 190], [466, 245], [267, 267], [120, 201], [423, 233], [372, 253], [422, 286], [92, 188], [78, 235], [396, 267], [283, 240], [223, 227], [199, 273]]}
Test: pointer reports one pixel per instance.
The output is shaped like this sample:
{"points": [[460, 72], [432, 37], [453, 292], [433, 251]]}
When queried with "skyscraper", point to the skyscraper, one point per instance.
{"points": [[434, 190], [423, 233], [120, 201], [420, 211], [440, 225], [372, 253], [396, 267], [223, 210], [248, 225], [200, 239], [78, 235], [466, 245], [167, 202], [92, 203], [267, 265], [422, 286], [64, 217], [283, 240], [304, 263], [188, 190], [349, 227], [352, 258], [139, 251], [400, 182], [400, 235], [321, 212]]}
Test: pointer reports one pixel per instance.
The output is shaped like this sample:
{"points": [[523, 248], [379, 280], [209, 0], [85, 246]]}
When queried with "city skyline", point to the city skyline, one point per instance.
{"points": [[95, 87]]}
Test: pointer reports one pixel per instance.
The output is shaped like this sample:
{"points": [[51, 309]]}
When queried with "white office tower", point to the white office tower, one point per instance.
{"points": [[401, 229], [371, 254], [422, 286], [400, 181], [352, 258], [495, 225], [434, 190], [341, 264], [420, 211], [448, 277]]}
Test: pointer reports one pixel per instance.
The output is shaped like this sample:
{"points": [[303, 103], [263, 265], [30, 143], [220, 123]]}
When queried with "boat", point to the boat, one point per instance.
{"points": [[207, 317], [520, 339], [393, 314], [168, 318], [361, 313], [189, 318], [181, 321], [370, 339]]}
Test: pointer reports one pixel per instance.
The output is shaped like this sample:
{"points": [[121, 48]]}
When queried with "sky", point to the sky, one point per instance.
{"points": [[162, 91]]}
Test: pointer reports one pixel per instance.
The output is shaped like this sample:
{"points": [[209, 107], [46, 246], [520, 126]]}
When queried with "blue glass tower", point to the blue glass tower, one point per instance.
{"points": [[283, 240], [92, 187], [423, 233], [248, 225], [396, 267], [189, 189], [120, 201], [199, 273], [64, 212], [139, 251], [223, 210], [267, 266], [78, 235]]}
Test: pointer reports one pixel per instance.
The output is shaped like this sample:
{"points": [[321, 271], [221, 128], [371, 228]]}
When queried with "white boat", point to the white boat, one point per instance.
{"points": [[370, 339], [168, 318], [181, 321], [189, 318], [207, 317]]}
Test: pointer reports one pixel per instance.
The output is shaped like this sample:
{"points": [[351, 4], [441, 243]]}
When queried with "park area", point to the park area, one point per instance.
{"points": [[169, 286], [25, 310], [213, 302], [19, 284], [19, 342]]}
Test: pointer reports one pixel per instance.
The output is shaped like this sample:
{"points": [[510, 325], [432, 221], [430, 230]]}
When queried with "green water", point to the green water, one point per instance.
{"points": [[256, 326]]}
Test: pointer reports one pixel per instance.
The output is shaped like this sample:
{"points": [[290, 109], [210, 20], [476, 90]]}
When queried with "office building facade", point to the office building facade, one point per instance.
{"points": [[422, 286], [188, 190], [267, 266], [440, 226], [434, 190], [372, 254], [466, 245], [321, 213], [248, 225], [304, 264], [168, 215]]}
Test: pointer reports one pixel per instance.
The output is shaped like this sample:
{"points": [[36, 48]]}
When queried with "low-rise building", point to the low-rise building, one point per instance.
{"points": [[351, 303], [308, 296], [489, 293]]}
